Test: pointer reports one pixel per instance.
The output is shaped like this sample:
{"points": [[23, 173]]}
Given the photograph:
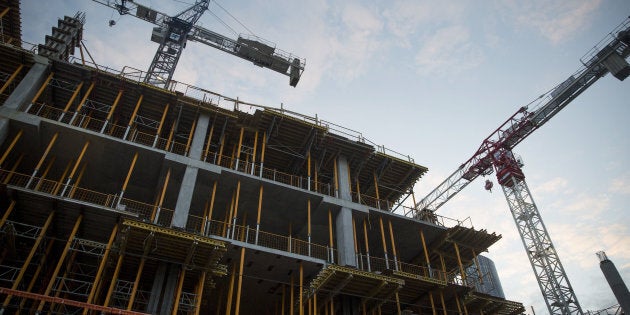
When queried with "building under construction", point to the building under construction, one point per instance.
{"points": [[120, 197]]}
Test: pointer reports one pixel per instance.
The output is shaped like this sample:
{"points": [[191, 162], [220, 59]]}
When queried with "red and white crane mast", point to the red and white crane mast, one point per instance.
{"points": [[495, 155]]}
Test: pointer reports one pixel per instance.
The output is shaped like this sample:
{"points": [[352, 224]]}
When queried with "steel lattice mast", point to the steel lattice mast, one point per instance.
{"points": [[495, 153]]}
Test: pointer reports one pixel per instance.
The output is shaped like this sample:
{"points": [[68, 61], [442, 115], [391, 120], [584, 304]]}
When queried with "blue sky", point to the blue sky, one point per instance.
{"points": [[432, 79]]}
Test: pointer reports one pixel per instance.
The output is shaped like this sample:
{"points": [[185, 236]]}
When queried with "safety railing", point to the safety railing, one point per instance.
{"points": [[378, 264]]}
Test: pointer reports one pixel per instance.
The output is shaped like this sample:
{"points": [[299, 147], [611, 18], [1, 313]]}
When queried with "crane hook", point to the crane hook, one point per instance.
{"points": [[488, 185]]}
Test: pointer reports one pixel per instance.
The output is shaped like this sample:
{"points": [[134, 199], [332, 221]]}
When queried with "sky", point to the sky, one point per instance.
{"points": [[431, 79]]}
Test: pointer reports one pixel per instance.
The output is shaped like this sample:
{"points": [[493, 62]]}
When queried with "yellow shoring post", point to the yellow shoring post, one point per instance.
{"points": [[244, 225], [254, 153], [59, 183], [235, 216], [363, 307], [112, 109], [443, 263], [330, 234], [380, 222], [170, 137], [315, 303], [459, 262], [74, 169], [240, 283], [18, 279], [84, 98], [310, 306], [238, 149], [60, 262], [316, 179], [326, 308], [54, 307], [15, 140], [131, 167], [134, 114], [332, 305], [101, 267], [220, 301], [43, 177], [391, 236], [178, 294], [76, 185], [336, 181], [226, 217], [232, 160], [258, 216], [159, 129], [205, 151], [398, 304], [41, 160], [15, 166], [367, 245], [476, 260], [12, 77], [42, 261], [424, 247], [190, 135], [291, 296], [443, 303], [202, 281], [432, 303], [262, 152], [156, 211], [72, 98], [378, 196], [308, 169], [228, 305], [136, 283], [290, 235], [284, 292], [4, 12], [112, 283], [211, 206], [356, 244], [358, 191], [5, 217], [42, 88], [222, 144], [349, 181], [301, 288]]}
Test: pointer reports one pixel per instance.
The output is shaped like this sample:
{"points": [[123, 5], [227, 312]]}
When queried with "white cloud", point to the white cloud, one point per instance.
{"points": [[406, 18], [448, 51], [554, 185], [555, 20], [620, 185]]}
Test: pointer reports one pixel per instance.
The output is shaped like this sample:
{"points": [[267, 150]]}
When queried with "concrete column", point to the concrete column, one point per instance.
{"points": [[25, 91], [343, 222], [169, 290], [186, 190], [156, 289]]}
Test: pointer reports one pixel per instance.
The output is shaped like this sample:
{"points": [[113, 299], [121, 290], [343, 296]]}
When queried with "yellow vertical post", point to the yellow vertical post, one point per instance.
{"points": [[330, 232], [336, 181], [112, 283], [15, 140], [159, 129], [167, 146], [238, 149], [316, 185], [190, 135], [221, 145], [43, 87], [367, 246], [205, 151], [208, 215], [112, 109], [84, 99], [260, 197], [63, 175], [18, 279], [308, 224], [380, 222], [262, 152], [356, 244], [202, 281], [459, 262], [71, 100], [308, 169], [301, 289], [424, 247], [132, 298], [74, 169], [43, 177], [476, 260], [41, 160], [156, 211], [284, 289], [4, 12], [178, 293], [443, 303], [228, 307], [398, 304], [101, 267], [459, 307], [240, 283], [391, 236], [315, 303], [358, 190], [133, 116], [42, 261], [378, 196], [124, 187], [60, 262], [235, 216], [12, 77], [5, 217], [78, 182], [7, 179], [432, 303], [254, 153]]}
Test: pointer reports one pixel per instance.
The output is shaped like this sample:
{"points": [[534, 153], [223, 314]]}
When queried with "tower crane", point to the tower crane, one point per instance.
{"points": [[172, 33], [495, 155]]}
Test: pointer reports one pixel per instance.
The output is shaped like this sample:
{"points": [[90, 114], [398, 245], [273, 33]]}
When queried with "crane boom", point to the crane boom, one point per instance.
{"points": [[495, 155], [608, 56], [173, 32]]}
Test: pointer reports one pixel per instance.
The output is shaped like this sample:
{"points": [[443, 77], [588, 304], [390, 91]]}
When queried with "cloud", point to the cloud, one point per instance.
{"points": [[554, 185], [555, 20], [448, 51], [620, 185]]}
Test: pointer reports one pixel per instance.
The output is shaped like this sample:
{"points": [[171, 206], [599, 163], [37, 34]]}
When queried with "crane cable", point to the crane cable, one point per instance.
{"points": [[235, 19]]}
